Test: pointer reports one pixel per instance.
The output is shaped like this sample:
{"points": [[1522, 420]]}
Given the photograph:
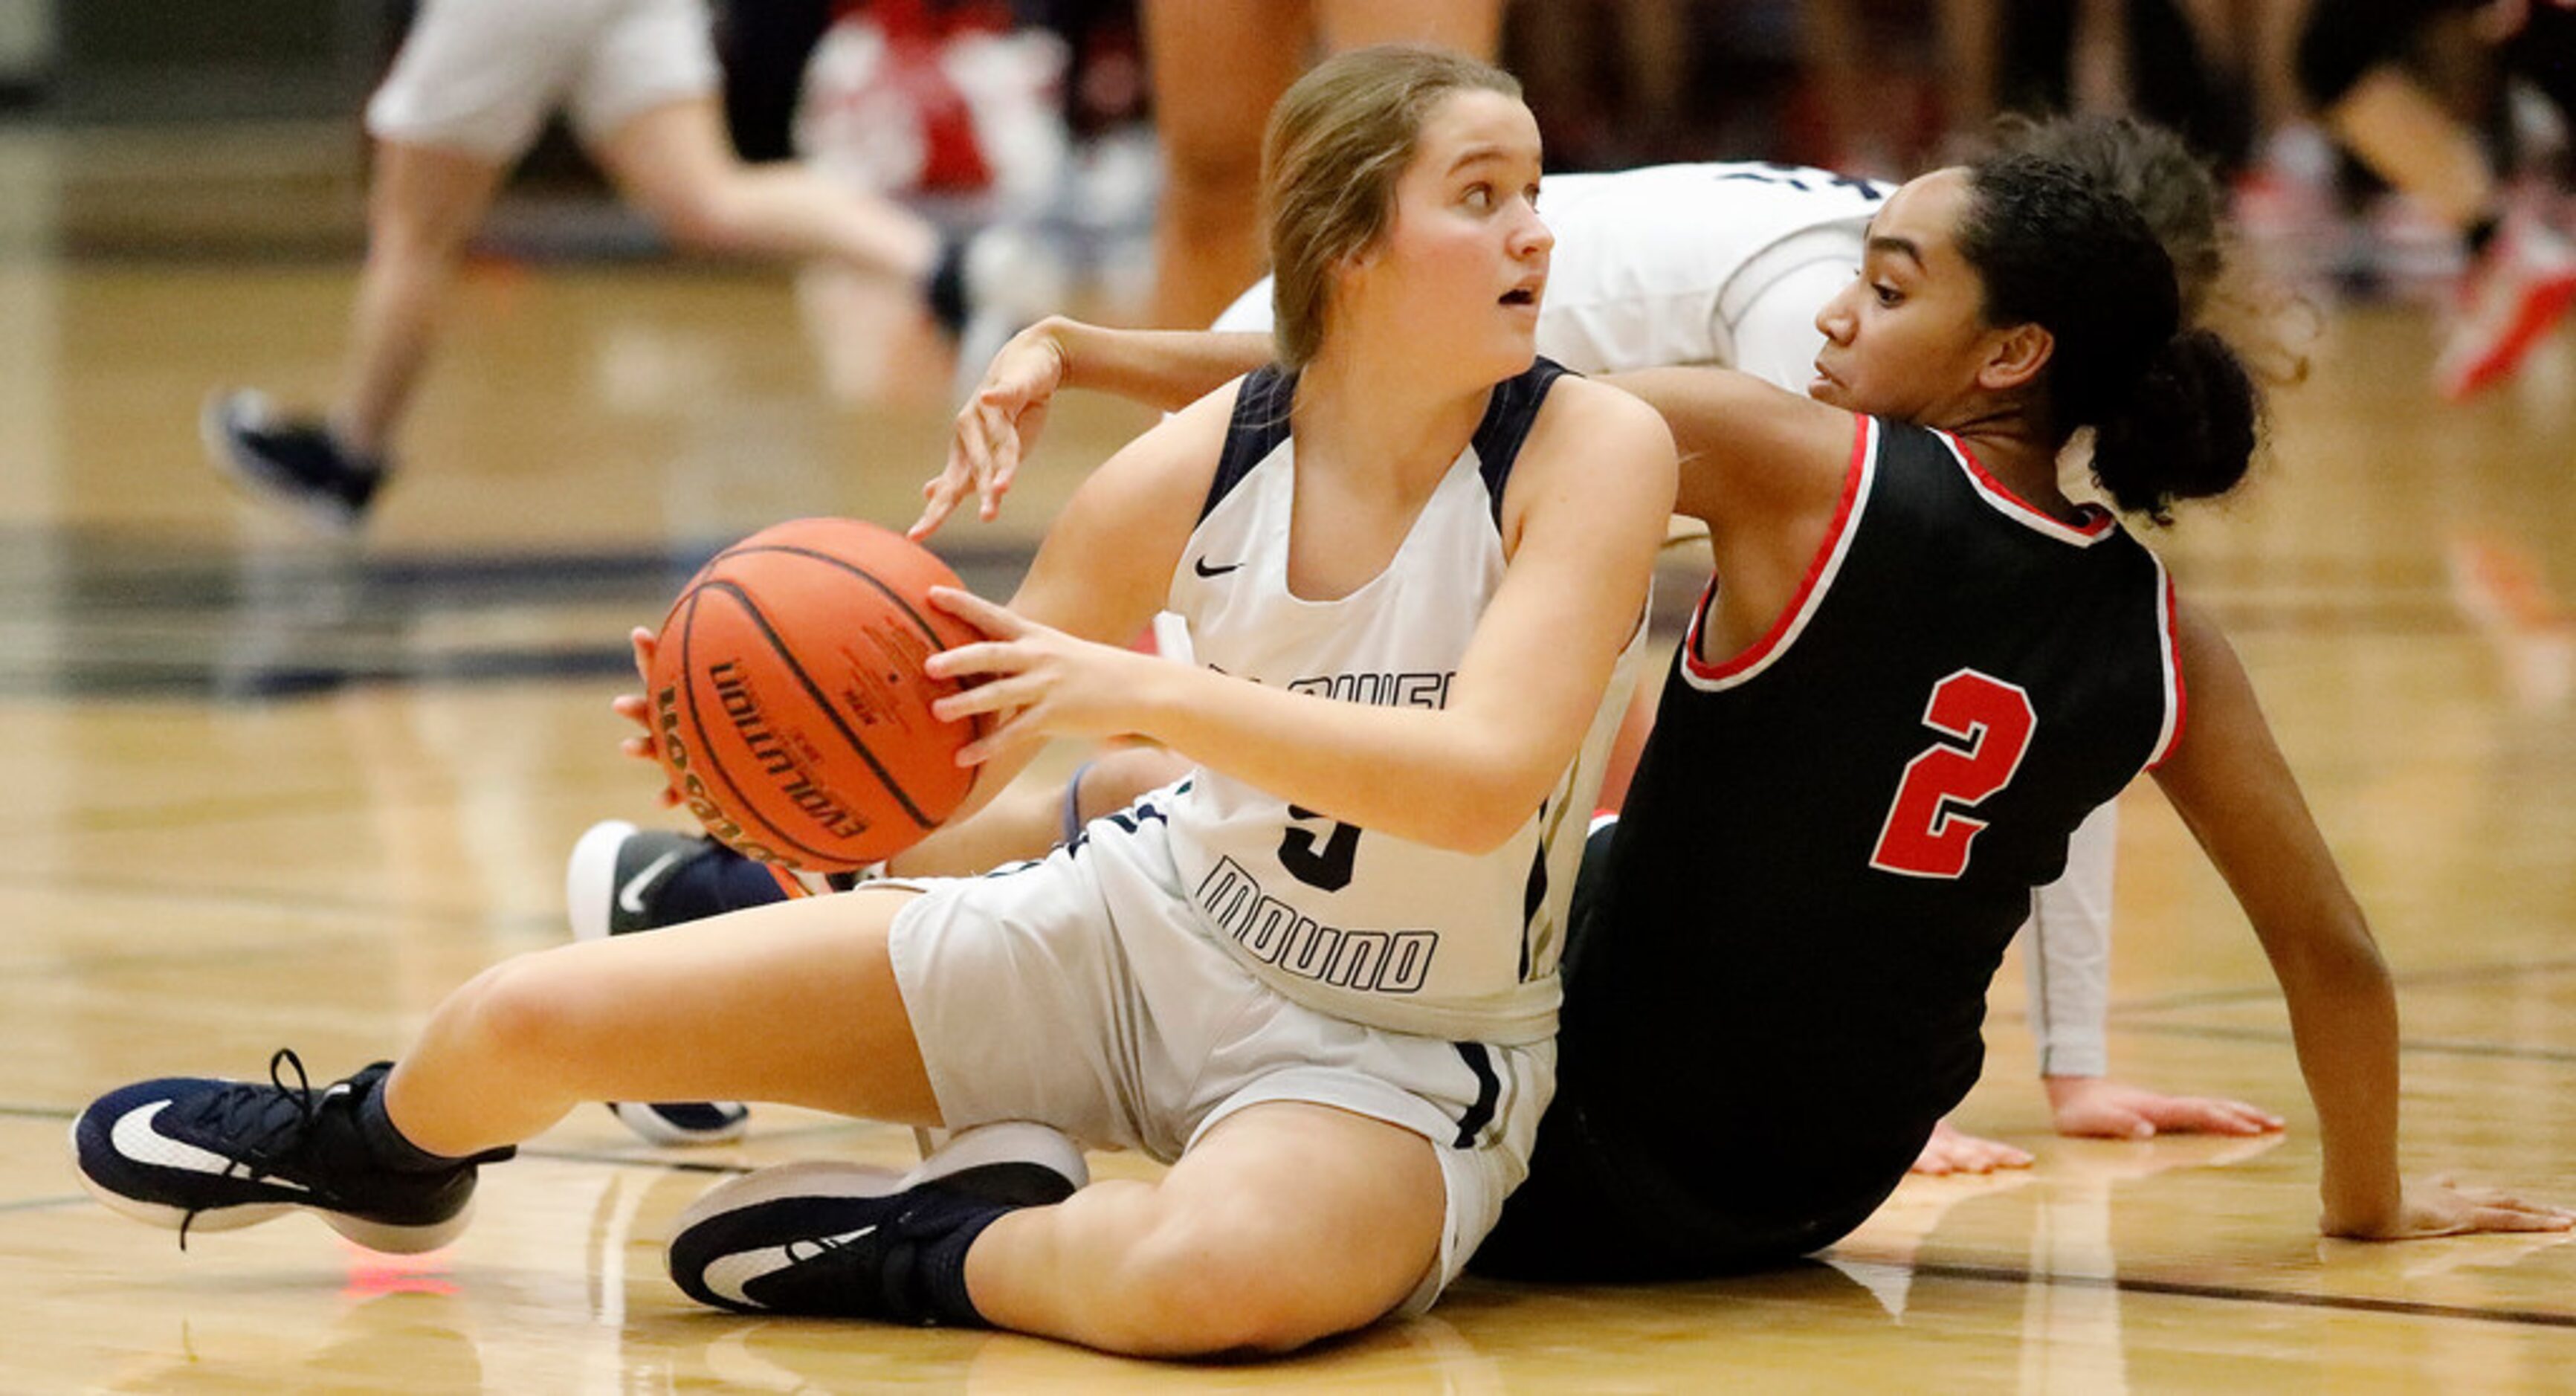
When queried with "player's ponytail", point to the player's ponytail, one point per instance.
{"points": [[2186, 431], [2173, 412]]}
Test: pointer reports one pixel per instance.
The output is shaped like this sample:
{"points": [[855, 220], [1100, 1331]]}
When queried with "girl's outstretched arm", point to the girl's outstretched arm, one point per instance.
{"points": [[2228, 780]]}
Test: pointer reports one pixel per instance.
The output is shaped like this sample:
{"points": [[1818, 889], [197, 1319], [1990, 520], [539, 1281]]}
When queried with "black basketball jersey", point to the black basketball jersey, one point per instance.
{"points": [[1832, 836]]}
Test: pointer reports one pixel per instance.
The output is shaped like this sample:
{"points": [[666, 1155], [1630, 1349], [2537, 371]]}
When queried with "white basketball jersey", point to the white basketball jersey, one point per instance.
{"points": [[1353, 922], [1648, 261], [1645, 258]]}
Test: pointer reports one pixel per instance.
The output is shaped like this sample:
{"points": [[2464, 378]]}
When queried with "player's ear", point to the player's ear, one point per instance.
{"points": [[2015, 356]]}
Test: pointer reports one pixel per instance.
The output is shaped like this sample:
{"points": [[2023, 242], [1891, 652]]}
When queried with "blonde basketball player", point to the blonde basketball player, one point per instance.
{"points": [[1318, 974]]}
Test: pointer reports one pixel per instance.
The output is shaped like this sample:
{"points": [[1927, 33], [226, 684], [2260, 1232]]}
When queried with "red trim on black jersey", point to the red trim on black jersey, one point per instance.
{"points": [[1792, 616], [2091, 524]]}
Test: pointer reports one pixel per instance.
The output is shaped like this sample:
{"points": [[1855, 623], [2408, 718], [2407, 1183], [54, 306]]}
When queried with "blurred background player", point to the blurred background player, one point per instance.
{"points": [[469, 92], [2522, 269], [1216, 69]]}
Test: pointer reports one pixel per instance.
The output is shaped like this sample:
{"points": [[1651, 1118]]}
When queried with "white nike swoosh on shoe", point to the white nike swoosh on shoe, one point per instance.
{"points": [[729, 1275], [136, 1139], [630, 898]]}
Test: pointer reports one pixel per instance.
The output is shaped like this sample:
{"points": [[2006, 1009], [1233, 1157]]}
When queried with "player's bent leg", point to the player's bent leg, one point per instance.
{"points": [[424, 203], [794, 1002], [673, 161], [1287, 1223], [622, 880]]}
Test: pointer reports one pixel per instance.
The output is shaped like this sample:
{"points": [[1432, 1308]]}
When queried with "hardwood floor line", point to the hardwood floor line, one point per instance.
{"points": [[2249, 1294]]}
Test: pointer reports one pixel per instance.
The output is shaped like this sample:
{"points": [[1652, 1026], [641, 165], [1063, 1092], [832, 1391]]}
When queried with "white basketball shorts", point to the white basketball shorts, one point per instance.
{"points": [[481, 76], [1079, 992]]}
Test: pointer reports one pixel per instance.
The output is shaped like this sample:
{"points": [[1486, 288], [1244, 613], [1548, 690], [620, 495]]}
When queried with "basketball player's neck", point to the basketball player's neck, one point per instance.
{"points": [[2013, 450], [1401, 420]]}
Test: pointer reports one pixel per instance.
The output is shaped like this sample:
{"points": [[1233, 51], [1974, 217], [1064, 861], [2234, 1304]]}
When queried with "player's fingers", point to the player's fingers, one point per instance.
{"points": [[2497, 1197], [999, 430], [976, 434], [933, 513], [986, 657], [1995, 1156], [993, 620], [2255, 1114], [2241, 1118], [2108, 1123], [1016, 690], [2188, 1115], [1001, 736], [1001, 461], [2500, 1217]]}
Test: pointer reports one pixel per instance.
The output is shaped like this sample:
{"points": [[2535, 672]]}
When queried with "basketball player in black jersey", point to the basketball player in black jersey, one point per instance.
{"points": [[1917, 666]]}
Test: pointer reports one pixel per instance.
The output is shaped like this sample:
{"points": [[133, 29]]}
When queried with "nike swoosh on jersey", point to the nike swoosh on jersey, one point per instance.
{"points": [[731, 1274], [1200, 566], [136, 1139], [630, 898]]}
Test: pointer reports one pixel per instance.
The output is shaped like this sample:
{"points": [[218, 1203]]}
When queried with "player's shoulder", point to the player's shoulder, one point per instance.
{"points": [[1583, 405], [1175, 458], [1594, 443]]}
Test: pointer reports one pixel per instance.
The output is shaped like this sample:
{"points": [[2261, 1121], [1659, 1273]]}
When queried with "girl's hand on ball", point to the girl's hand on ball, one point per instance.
{"points": [[636, 708], [1031, 682]]}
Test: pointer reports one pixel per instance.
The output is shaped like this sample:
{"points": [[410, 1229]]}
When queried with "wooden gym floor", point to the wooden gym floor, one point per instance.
{"points": [[266, 790]]}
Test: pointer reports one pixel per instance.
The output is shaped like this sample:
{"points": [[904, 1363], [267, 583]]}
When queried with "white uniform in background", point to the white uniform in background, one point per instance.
{"points": [[482, 76]]}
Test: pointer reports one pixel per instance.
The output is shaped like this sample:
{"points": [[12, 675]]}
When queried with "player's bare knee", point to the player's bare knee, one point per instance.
{"points": [[524, 1010]]}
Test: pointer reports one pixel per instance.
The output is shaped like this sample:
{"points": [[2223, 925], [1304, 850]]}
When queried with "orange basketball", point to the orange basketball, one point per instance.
{"points": [[789, 706]]}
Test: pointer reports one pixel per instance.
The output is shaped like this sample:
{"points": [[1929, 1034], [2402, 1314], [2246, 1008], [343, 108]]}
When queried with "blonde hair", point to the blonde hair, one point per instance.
{"points": [[1337, 143]]}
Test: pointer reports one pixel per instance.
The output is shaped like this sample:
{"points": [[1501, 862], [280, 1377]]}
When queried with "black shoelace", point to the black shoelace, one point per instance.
{"points": [[259, 1125]]}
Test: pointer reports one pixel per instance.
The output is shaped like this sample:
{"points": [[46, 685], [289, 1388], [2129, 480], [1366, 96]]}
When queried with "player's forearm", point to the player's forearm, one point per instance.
{"points": [[1436, 776], [1168, 369], [2343, 1019]]}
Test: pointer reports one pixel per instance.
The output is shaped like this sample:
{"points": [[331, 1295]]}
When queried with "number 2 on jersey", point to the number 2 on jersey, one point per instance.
{"points": [[1927, 832]]}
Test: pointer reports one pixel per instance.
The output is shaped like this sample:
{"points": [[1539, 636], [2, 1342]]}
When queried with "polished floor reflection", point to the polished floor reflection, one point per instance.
{"points": [[268, 790]]}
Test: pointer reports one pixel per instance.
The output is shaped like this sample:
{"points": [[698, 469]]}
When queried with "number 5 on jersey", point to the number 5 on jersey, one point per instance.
{"points": [[1928, 833]]}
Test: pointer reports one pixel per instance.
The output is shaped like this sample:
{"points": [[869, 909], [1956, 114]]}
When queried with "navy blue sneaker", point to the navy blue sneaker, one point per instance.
{"points": [[297, 463], [614, 885], [853, 1241], [190, 1153]]}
